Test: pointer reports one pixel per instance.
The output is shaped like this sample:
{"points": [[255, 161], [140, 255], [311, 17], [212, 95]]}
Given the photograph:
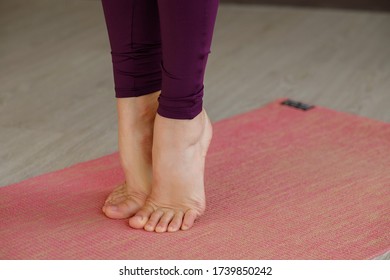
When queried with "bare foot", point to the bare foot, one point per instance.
{"points": [[136, 117], [177, 198]]}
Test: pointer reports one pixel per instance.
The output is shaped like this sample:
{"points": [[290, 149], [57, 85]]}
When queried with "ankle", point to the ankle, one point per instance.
{"points": [[146, 106], [180, 133], [136, 109]]}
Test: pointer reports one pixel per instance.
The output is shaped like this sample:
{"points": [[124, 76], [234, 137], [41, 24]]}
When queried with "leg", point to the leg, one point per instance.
{"points": [[182, 131], [134, 36], [186, 30]]}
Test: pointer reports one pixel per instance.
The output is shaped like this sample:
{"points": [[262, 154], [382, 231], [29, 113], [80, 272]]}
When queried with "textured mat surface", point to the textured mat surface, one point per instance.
{"points": [[281, 183]]}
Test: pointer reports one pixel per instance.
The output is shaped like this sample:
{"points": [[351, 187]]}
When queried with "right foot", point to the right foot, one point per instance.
{"points": [[135, 138], [177, 198]]}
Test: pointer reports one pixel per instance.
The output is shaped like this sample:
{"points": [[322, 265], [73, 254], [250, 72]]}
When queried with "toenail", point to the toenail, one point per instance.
{"points": [[141, 218], [113, 208]]}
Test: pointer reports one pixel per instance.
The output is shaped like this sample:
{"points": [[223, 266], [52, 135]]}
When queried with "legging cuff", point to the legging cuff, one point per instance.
{"points": [[180, 113], [122, 93]]}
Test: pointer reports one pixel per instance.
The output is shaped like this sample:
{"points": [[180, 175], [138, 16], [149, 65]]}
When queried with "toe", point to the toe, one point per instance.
{"points": [[175, 224], [122, 210], [189, 219], [154, 219], [164, 221], [141, 217]]}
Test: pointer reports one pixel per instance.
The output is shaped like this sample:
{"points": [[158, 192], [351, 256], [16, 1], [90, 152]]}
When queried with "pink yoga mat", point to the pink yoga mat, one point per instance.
{"points": [[281, 183]]}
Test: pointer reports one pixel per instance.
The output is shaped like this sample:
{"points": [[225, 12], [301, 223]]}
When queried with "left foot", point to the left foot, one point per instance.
{"points": [[177, 198]]}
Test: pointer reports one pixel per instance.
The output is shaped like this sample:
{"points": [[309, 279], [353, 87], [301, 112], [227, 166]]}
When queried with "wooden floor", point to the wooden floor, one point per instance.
{"points": [[57, 104], [372, 5]]}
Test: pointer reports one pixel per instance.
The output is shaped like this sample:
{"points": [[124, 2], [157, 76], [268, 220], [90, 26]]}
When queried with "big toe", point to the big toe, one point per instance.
{"points": [[122, 210], [139, 220]]}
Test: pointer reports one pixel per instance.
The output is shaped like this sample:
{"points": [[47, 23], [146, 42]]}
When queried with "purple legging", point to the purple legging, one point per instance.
{"points": [[161, 45]]}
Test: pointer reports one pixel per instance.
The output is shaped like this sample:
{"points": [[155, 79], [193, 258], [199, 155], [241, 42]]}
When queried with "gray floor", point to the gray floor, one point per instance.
{"points": [[57, 103]]}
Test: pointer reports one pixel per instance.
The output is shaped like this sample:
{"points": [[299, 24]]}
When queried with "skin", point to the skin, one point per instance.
{"points": [[163, 160]]}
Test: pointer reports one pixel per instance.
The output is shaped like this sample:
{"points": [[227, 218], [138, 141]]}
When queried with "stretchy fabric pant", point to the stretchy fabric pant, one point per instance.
{"points": [[161, 45]]}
